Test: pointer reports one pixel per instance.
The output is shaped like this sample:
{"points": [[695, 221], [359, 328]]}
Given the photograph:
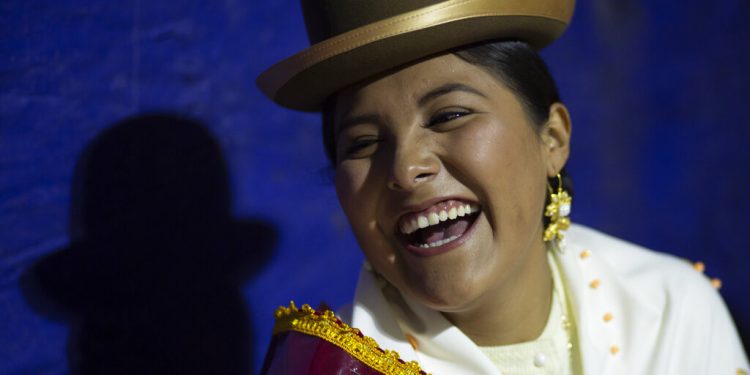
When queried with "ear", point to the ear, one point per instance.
{"points": [[556, 138]]}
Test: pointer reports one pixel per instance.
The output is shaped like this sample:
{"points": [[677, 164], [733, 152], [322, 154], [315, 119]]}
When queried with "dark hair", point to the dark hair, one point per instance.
{"points": [[515, 64]]}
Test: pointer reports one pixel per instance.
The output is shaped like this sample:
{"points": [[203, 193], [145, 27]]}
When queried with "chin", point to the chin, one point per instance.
{"points": [[445, 297]]}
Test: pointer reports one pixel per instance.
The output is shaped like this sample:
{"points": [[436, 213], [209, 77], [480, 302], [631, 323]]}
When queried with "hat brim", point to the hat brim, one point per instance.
{"points": [[305, 80]]}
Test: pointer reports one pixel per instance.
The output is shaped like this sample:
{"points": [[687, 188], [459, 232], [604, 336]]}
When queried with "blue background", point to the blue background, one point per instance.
{"points": [[657, 91]]}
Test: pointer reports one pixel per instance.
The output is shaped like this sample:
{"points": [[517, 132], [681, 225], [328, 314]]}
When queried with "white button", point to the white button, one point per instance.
{"points": [[540, 359]]}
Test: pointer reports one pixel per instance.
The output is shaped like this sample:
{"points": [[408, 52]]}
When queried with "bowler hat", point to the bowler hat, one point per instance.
{"points": [[356, 39]]}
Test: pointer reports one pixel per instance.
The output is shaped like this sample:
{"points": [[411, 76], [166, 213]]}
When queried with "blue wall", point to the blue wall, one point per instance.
{"points": [[657, 91]]}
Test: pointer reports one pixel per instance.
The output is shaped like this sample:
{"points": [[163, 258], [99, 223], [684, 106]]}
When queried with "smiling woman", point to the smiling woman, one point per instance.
{"points": [[449, 142], [433, 145]]}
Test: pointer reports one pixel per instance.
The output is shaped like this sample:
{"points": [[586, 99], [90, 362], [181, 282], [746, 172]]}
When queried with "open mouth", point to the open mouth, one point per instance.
{"points": [[438, 226]]}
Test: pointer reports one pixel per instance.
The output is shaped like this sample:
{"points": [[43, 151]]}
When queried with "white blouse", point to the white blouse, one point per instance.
{"points": [[552, 352]]}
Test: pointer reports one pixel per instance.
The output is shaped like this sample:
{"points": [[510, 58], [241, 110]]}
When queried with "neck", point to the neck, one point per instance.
{"points": [[514, 313]]}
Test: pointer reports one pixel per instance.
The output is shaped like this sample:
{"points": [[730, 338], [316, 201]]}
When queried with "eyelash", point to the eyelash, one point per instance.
{"points": [[447, 116], [359, 144]]}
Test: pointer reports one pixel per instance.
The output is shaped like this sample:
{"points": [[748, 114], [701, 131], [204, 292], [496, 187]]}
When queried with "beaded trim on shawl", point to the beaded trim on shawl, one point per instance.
{"points": [[326, 326]]}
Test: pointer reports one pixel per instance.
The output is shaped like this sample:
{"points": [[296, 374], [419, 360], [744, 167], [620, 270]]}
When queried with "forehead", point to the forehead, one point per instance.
{"points": [[404, 87]]}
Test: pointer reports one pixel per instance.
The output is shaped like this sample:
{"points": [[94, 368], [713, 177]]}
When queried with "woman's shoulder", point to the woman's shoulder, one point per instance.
{"points": [[651, 272], [675, 317]]}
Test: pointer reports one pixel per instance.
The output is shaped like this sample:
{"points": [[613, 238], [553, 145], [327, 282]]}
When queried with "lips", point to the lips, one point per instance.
{"points": [[438, 227]]}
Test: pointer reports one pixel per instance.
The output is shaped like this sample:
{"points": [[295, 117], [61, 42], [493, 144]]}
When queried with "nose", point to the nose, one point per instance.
{"points": [[413, 165]]}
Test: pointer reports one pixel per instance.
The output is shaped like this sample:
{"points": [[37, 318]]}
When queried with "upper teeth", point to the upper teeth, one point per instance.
{"points": [[432, 218]]}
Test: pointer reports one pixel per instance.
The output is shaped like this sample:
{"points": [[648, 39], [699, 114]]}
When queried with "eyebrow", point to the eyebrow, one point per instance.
{"points": [[447, 89]]}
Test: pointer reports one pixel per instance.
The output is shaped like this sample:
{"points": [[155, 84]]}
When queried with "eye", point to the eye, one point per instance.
{"points": [[447, 116], [360, 147]]}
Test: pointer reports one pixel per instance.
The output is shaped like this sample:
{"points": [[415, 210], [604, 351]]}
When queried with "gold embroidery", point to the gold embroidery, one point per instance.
{"points": [[326, 326]]}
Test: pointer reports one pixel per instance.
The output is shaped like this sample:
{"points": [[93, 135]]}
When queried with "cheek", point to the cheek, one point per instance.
{"points": [[491, 156], [352, 192], [504, 163], [350, 184], [359, 198]]}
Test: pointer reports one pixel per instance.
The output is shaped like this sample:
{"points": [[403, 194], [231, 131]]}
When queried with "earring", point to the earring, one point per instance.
{"points": [[557, 210]]}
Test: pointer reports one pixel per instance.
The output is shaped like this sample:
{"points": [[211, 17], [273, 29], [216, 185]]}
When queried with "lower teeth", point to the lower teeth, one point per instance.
{"points": [[439, 242]]}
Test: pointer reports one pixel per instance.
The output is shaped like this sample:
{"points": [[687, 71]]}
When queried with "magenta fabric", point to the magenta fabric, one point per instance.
{"points": [[295, 353]]}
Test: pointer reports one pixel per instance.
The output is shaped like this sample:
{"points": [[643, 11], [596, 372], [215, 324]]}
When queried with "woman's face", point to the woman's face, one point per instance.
{"points": [[419, 148]]}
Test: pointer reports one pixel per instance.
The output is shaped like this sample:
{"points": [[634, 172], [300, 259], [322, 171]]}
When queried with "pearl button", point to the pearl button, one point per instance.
{"points": [[540, 360]]}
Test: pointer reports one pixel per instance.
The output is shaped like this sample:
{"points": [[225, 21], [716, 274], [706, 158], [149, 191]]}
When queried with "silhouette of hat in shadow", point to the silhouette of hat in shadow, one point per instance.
{"points": [[151, 282]]}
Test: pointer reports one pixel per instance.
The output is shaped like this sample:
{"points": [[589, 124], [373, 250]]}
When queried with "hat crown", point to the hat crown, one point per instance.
{"points": [[353, 40], [327, 18]]}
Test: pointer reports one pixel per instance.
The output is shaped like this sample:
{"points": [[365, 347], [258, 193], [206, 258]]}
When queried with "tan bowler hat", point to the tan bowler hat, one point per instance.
{"points": [[356, 39]]}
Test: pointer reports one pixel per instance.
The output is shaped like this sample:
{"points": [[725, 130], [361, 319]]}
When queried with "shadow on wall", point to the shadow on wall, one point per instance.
{"points": [[151, 282]]}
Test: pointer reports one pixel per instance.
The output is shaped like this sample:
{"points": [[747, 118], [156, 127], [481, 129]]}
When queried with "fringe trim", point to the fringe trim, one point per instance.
{"points": [[326, 326]]}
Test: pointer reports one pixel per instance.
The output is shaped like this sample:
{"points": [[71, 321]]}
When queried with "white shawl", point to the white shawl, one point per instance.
{"points": [[666, 316]]}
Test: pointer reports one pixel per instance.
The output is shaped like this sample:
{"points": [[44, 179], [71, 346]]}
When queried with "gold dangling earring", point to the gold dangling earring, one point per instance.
{"points": [[558, 211]]}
